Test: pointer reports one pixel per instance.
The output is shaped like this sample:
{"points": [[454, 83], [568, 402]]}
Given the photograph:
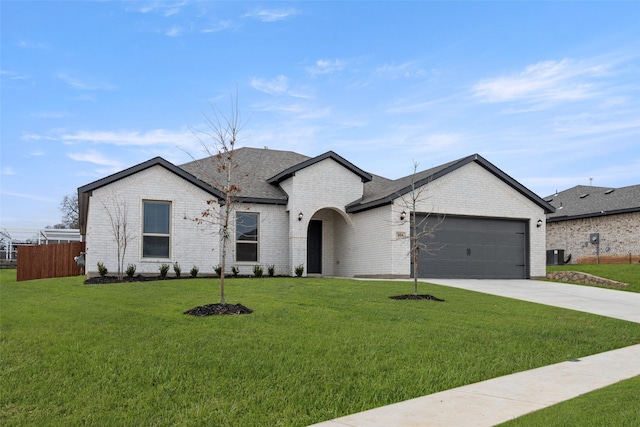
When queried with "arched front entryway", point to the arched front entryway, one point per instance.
{"points": [[325, 232]]}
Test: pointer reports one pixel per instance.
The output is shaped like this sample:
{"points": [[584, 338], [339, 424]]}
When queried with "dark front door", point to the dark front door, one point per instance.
{"points": [[314, 247]]}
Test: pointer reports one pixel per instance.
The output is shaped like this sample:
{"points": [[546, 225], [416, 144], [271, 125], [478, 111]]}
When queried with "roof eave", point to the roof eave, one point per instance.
{"points": [[593, 215]]}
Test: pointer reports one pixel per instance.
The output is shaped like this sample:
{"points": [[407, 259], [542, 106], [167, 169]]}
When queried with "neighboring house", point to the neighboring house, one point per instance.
{"points": [[320, 212], [595, 224]]}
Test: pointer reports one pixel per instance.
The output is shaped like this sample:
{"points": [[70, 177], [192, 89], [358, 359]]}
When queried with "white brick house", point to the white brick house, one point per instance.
{"points": [[323, 213]]}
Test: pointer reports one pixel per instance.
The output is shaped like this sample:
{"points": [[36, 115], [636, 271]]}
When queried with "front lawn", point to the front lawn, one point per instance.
{"points": [[625, 273], [312, 350], [616, 405]]}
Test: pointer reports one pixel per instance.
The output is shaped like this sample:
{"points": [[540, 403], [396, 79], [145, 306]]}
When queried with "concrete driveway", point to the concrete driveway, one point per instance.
{"points": [[605, 302]]}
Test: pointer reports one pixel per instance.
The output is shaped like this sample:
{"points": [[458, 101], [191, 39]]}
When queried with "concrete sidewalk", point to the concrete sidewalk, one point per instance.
{"points": [[501, 399]]}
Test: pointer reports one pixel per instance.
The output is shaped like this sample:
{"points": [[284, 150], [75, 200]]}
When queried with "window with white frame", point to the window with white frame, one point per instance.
{"points": [[247, 237], [156, 235]]}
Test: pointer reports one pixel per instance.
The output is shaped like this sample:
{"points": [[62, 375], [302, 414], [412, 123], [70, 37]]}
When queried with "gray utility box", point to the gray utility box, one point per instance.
{"points": [[555, 257]]}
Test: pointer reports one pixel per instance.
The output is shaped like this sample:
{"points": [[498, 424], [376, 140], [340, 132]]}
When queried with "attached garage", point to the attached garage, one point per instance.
{"points": [[474, 247]]}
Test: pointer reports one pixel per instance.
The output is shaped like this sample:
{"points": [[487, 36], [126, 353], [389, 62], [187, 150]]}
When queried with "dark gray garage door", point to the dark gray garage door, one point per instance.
{"points": [[475, 248]]}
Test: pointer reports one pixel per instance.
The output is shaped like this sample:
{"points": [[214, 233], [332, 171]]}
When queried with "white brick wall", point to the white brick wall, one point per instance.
{"points": [[367, 246], [190, 244], [323, 185], [365, 243], [273, 239], [472, 190]]}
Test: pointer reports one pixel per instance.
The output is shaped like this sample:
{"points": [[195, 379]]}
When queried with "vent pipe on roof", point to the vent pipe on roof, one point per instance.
{"points": [[590, 181]]}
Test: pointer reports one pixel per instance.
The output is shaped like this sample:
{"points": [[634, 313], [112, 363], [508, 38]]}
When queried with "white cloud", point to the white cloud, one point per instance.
{"points": [[272, 15], [131, 138], [84, 84], [326, 66], [217, 26], [544, 82], [174, 31], [12, 75], [51, 114], [36, 137], [26, 196], [8, 170], [26, 44], [610, 124], [277, 85], [166, 8], [405, 70], [172, 11], [439, 141], [93, 156]]}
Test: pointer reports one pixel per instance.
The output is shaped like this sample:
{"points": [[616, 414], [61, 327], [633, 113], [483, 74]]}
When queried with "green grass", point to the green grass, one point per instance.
{"points": [[617, 405], [625, 273], [314, 349]]}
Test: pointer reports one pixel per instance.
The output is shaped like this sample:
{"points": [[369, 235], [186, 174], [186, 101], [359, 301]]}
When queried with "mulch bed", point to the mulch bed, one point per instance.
{"points": [[417, 297], [126, 279], [218, 309], [200, 311]]}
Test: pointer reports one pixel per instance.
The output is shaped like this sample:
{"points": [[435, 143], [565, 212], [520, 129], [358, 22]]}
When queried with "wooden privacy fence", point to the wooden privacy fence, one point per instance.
{"points": [[45, 261]]}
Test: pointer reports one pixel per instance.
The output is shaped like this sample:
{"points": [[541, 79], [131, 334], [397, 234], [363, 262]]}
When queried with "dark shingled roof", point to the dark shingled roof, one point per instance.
{"points": [[260, 171], [255, 167], [584, 201], [386, 191]]}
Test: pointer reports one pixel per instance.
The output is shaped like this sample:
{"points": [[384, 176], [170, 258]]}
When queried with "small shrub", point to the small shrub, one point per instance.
{"points": [[194, 271], [218, 270], [177, 269], [235, 271], [131, 270], [102, 269], [271, 270], [299, 270], [164, 269], [257, 270]]}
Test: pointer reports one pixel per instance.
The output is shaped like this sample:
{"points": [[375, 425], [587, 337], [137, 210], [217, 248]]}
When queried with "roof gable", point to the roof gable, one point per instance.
{"points": [[85, 191], [398, 188], [287, 173], [156, 161]]}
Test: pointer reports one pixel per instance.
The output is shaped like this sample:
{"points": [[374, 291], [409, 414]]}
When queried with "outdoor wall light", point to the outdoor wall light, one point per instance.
{"points": [[539, 223], [300, 216], [403, 215]]}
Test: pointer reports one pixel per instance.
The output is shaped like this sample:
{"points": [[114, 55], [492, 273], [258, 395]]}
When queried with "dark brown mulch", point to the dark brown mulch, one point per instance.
{"points": [[218, 309], [126, 279], [417, 297]]}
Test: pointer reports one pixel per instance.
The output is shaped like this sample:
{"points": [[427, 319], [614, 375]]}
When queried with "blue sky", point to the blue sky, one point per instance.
{"points": [[549, 92]]}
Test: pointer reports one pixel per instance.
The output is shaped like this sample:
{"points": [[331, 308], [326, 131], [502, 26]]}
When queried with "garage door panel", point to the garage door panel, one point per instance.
{"points": [[475, 248]]}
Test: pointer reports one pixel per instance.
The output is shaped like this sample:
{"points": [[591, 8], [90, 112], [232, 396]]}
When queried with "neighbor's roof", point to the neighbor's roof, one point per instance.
{"points": [[585, 201]]}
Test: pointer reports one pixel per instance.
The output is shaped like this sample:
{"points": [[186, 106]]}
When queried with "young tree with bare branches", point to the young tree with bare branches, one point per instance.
{"points": [[122, 235], [219, 141], [419, 229]]}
